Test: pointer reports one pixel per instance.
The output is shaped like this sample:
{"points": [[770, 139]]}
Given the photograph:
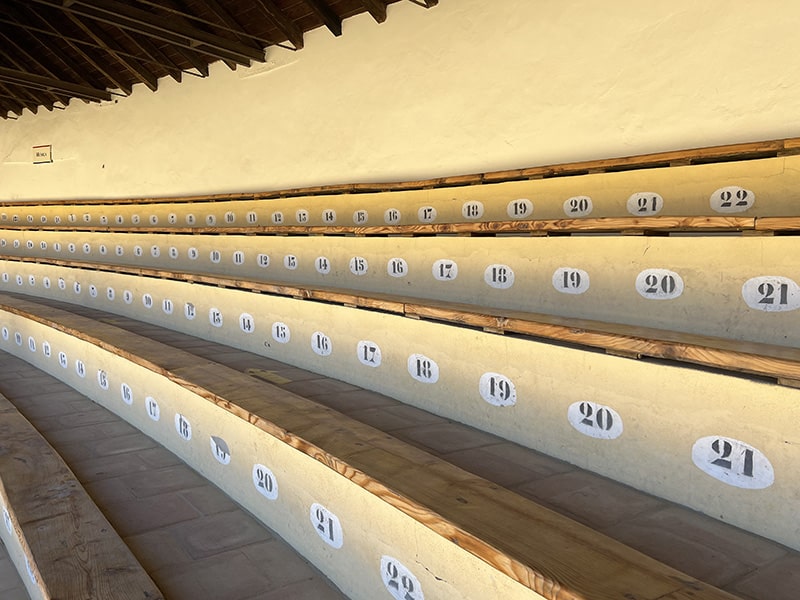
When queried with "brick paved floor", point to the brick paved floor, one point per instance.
{"points": [[192, 539]]}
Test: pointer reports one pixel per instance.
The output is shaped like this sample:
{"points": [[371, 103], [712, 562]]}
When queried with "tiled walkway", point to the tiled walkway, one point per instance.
{"points": [[194, 542], [11, 586], [746, 565]]}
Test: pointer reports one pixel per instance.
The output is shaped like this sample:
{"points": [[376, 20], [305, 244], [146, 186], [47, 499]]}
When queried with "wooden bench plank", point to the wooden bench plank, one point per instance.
{"points": [[75, 551]]}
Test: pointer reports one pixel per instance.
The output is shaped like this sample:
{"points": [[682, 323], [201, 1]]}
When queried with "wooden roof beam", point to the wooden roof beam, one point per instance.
{"points": [[29, 80], [20, 92], [109, 45], [177, 8], [332, 21], [230, 23], [23, 67], [284, 24], [376, 8], [13, 102], [235, 27], [13, 97], [74, 44], [163, 28], [154, 55], [38, 46], [194, 58], [161, 60]]}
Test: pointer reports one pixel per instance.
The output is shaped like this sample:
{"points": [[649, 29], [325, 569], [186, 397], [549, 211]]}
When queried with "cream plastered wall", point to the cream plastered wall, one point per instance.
{"points": [[467, 86]]}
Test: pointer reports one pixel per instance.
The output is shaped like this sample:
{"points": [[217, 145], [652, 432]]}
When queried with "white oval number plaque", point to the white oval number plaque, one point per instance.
{"points": [[399, 581], [497, 389], [732, 199], [645, 203], [500, 277], [265, 482], [423, 369], [327, 525], [659, 284], [595, 420], [570, 281], [183, 427], [220, 450], [733, 462], [771, 293]]}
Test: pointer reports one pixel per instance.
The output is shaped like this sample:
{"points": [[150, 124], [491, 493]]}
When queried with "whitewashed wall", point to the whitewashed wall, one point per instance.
{"points": [[465, 87]]}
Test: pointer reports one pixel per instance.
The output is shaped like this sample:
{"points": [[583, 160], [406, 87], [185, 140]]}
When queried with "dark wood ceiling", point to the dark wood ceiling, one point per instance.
{"points": [[54, 50]]}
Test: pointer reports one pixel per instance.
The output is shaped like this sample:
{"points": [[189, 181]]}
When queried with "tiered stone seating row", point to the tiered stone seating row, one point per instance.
{"points": [[380, 517], [535, 393], [692, 435], [745, 288], [635, 193]]}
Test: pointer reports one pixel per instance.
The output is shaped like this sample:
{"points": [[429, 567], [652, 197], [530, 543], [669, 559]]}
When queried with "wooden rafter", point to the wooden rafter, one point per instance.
{"points": [[332, 21], [284, 24], [178, 9], [38, 82], [20, 103], [163, 28], [376, 8], [88, 49], [89, 57], [10, 44], [109, 45], [11, 102], [230, 23], [50, 31], [154, 55], [37, 47]]}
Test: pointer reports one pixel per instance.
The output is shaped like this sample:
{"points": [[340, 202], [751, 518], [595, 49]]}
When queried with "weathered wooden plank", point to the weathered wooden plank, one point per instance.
{"points": [[594, 225], [746, 357], [777, 223], [74, 549]]}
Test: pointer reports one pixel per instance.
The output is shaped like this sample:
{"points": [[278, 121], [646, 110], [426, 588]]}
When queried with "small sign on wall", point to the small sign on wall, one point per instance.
{"points": [[42, 154]]}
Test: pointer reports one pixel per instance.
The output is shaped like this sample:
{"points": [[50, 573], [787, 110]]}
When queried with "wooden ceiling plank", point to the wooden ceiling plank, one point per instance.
{"points": [[16, 103], [33, 81], [284, 24], [194, 58], [332, 21], [154, 55], [108, 16], [129, 17], [231, 24], [18, 97], [74, 45], [39, 47], [109, 45], [13, 61], [376, 8], [71, 41], [238, 30], [179, 9]]}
